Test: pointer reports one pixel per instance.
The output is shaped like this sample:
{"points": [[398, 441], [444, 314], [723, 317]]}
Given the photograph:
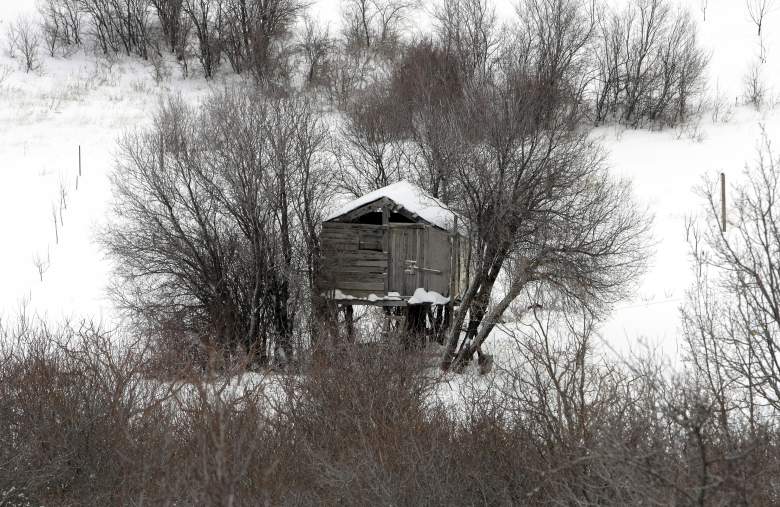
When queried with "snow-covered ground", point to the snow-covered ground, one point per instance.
{"points": [[88, 102]]}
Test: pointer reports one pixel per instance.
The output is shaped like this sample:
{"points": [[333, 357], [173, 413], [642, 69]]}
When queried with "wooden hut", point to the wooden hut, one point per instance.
{"points": [[395, 246]]}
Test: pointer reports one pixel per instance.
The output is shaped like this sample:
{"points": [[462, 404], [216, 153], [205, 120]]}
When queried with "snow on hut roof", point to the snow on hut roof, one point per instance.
{"points": [[410, 197]]}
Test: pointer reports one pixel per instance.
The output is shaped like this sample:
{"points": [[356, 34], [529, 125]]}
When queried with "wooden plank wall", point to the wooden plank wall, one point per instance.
{"points": [[352, 258], [438, 251], [354, 262]]}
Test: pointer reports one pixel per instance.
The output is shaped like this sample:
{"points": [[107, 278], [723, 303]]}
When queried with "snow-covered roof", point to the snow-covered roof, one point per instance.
{"points": [[410, 197]]}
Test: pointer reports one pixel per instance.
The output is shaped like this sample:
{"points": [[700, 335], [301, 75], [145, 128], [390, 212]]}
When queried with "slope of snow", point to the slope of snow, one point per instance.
{"points": [[45, 116], [87, 101], [666, 172], [410, 197]]}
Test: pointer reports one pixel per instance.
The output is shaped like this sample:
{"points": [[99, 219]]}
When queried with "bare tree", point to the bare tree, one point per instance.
{"points": [[543, 211], [51, 29], [347, 73], [169, 12], [208, 234], [649, 65], [120, 25], [608, 56], [367, 150], [61, 22], [207, 18], [41, 264], [530, 184], [253, 34], [755, 86], [757, 11], [733, 315], [469, 30], [427, 93], [24, 39], [315, 45], [376, 23]]}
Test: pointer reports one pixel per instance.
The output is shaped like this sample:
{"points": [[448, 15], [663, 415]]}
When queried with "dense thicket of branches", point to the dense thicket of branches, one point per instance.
{"points": [[493, 126], [215, 210], [640, 64], [733, 312], [81, 421], [541, 209], [648, 63], [251, 34]]}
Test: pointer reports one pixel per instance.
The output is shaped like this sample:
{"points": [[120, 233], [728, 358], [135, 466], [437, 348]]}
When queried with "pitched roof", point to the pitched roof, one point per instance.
{"points": [[410, 197]]}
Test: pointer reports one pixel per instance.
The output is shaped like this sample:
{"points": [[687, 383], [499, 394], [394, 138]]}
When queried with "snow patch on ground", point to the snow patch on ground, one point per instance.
{"points": [[422, 296], [338, 294], [82, 101]]}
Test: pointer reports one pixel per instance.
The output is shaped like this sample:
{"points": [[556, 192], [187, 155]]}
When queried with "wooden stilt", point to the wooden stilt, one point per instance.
{"points": [[349, 319]]}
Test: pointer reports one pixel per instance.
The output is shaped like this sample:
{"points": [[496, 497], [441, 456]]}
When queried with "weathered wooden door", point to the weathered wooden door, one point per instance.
{"points": [[406, 247], [420, 258]]}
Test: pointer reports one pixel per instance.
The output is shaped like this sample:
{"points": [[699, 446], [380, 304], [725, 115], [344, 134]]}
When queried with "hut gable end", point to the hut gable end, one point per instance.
{"points": [[402, 198]]}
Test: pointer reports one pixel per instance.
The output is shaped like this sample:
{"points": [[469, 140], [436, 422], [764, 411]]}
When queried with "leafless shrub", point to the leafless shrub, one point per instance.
{"points": [[169, 12], [347, 73], [650, 65], [42, 264], [755, 92], [243, 176], [315, 46], [468, 29], [24, 41], [61, 24], [721, 108], [732, 314], [364, 425], [367, 151], [161, 72], [5, 72], [70, 403], [376, 24], [119, 25]]}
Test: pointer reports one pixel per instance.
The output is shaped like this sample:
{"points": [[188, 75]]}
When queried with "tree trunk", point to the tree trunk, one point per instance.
{"points": [[475, 303]]}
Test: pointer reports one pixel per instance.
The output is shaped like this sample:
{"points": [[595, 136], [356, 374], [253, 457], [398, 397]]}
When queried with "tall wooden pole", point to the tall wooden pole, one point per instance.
{"points": [[723, 200], [79, 160]]}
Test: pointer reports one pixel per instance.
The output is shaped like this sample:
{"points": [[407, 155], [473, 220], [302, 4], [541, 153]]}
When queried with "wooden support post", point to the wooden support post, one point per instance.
{"points": [[349, 318], [454, 261], [386, 247], [414, 329], [79, 160], [723, 200]]}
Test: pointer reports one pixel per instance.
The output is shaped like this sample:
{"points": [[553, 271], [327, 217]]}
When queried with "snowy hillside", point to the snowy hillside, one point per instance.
{"points": [[87, 101]]}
